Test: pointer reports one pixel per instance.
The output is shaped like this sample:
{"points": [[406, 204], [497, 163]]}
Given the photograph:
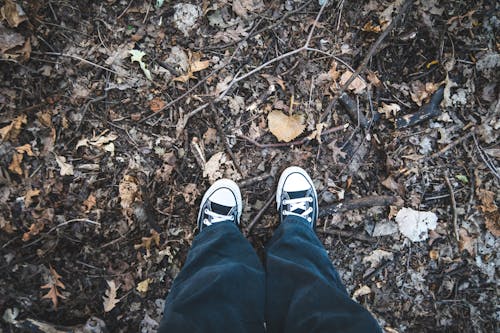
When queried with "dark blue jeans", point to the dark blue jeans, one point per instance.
{"points": [[223, 286]]}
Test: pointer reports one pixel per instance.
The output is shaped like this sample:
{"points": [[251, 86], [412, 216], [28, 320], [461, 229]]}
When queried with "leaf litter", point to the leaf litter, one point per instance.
{"points": [[101, 175]]}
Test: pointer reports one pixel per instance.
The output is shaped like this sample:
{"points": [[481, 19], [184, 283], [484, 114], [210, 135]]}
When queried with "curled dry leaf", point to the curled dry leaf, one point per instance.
{"points": [[15, 164], [364, 290], [13, 13], [190, 193], [11, 131], [34, 230], [285, 128], [244, 8], [66, 168], [143, 286], [110, 300], [28, 197], [466, 242]]}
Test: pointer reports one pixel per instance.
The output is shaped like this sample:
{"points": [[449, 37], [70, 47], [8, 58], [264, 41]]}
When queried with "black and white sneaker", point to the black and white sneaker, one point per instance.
{"points": [[297, 196], [221, 202]]}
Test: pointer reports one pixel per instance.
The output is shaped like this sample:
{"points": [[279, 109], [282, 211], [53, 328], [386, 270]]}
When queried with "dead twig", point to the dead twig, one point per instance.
{"points": [[222, 134], [255, 179], [453, 207], [348, 234], [261, 212], [373, 49], [293, 143], [369, 201], [58, 54]]}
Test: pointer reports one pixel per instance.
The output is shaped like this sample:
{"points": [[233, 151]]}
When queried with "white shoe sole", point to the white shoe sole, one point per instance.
{"points": [[227, 183], [284, 175]]}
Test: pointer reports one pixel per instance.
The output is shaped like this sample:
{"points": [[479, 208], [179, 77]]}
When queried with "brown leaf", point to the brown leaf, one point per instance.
{"points": [[156, 104], [13, 13], [11, 131], [29, 196], [490, 211], [466, 242], [393, 185], [89, 203], [190, 193], [25, 149], [389, 110], [15, 165], [110, 300], [285, 128], [34, 230], [54, 283], [373, 78], [129, 193], [357, 86], [420, 92], [9, 39]]}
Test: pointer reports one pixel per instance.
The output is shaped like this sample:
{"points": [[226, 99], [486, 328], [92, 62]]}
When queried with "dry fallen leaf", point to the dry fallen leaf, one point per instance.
{"points": [[54, 283], [146, 242], [13, 13], [143, 286], [25, 149], [29, 196], [9, 39], [15, 165], [66, 168], [420, 92], [357, 86], [490, 211], [242, 8], [285, 128], [364, 290], [389, 110], [190, 193], [89, 203], [11, 131], [466, 242], [415, 224], [34, 230], [156, 104], [129, 193], [219, 166], [110, 300]]}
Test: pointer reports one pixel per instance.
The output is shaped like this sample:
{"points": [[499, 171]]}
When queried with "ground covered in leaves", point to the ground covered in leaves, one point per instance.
{"points": [[116, 115]]}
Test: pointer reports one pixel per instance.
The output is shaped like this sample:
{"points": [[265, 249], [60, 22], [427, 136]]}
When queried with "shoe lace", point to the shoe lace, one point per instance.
{"points": [[299, 204], [215, 217]]}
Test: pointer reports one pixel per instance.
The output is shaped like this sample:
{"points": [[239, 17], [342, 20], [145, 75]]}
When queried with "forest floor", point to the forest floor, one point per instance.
{"points": [[116, 115]]}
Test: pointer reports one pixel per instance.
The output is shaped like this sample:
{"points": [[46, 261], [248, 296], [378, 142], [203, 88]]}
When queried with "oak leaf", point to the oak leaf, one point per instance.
{"points": [[110, 300], [54, 282], [12, 130], [285, 128]]}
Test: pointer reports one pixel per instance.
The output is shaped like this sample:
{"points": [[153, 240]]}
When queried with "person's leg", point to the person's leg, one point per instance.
{"points": [[221, 286], [304, 292]]}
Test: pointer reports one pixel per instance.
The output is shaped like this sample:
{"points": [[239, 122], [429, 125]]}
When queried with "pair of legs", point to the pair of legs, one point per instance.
{"points": [[223, 286]]}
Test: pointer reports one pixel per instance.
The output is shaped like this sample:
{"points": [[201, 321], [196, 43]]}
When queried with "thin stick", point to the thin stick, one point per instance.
{"points": [[293, 143], [348, 234], [223, 137], [57, 54], [369, 201], [368, 56], [72, 221], [453, 206], [261, 212], [255, 179]]}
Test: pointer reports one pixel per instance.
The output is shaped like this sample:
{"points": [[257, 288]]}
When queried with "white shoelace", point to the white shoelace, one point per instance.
{"points": [[298, 203], [216, 218]]}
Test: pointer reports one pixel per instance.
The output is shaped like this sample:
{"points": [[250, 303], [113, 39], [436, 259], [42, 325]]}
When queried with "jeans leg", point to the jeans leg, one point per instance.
{"points": [[304, 292], [220, 288]]}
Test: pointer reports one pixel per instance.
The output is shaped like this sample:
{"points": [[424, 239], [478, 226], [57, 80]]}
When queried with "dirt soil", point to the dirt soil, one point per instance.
{"points": [[116, 115]]}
